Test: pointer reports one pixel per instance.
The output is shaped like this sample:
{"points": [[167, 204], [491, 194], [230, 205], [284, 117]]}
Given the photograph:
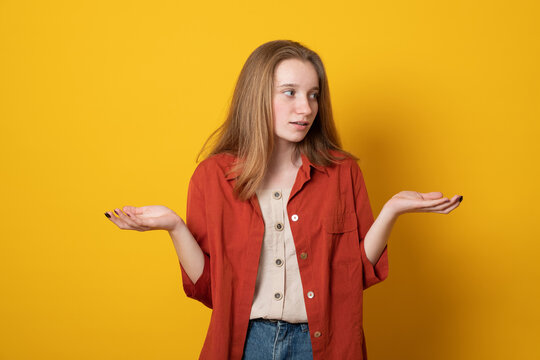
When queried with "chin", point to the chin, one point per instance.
{"points": [[291, 138], [296, 137]]}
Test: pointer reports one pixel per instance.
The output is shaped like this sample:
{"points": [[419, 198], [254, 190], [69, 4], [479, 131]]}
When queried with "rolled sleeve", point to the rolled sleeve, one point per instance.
{"points": [[372, 274], [201, 289], [196, 222]]}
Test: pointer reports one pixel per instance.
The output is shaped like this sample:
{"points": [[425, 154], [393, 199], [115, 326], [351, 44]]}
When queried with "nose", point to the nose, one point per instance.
{"points": [[303, 106]]}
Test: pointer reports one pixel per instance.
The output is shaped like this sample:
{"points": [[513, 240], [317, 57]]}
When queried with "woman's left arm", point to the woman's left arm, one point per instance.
{"points": [[401, 203]]}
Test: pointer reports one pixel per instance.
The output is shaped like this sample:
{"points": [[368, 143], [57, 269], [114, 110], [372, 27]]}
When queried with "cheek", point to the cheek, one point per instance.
{"points": [[315, 109], [279, 110]]}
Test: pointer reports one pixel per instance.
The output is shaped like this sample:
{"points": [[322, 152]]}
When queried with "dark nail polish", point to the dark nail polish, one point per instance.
{"points": [[115, 212], [460, 198], [107, 215]]}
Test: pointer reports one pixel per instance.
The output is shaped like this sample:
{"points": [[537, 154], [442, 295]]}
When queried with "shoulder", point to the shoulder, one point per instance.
{"points": [[213, 166], [345, 161], [217, 161], [347, 169]]}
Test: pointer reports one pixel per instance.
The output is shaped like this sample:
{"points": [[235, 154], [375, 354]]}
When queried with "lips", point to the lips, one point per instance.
{"points": [[301, 123]]}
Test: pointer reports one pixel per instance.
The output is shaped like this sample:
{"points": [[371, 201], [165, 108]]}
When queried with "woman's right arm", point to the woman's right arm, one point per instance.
{"points": [[188, 250], [190, 238], [158, 217]]}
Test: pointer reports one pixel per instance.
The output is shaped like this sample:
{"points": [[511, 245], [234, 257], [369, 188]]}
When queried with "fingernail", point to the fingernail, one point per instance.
{"points": [[116, 212], [460, 198], [107, 215]]}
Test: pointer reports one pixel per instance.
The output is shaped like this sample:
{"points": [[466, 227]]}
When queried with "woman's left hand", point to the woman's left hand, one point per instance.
{"points": [[412, 201]]}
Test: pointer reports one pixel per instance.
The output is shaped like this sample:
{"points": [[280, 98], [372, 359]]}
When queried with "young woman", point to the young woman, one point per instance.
{"points": [[279, 230]]}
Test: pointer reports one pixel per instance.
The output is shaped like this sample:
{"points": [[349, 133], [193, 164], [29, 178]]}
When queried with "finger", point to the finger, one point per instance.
{"points": [[126, 223], [426, 204], [431, 195], [129, 210], [133, 210], [448, 202], [128, 220], [118, 221], [447, 210], [142, 223], [453, 201], [438, 208], [135, 217], [454, 204], [446, 207]]}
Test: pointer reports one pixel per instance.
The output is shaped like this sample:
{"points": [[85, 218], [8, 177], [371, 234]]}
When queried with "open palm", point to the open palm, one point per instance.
{"points": [[413, 201], [152, 217]]}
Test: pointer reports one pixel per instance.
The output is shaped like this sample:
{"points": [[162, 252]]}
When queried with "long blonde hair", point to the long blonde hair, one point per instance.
{"points": [[248, 132]]}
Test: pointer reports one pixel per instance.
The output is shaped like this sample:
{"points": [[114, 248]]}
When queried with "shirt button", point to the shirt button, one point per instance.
{"points": [[279, 262], [294, 217], [317, 334], [303, 256], [278, 296], [276, 195], [310, 294], [279, 226]]}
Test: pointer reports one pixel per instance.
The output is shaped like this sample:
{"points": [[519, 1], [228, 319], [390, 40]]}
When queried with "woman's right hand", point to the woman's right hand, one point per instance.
{"points": [[144, 218]]}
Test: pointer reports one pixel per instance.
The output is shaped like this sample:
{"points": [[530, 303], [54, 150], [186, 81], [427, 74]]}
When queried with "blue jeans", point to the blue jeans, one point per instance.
{"points": [[277, 340]]}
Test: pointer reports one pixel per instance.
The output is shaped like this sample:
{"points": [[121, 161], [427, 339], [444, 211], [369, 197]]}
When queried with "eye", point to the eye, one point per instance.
{"points": [[289, 91], [315, 95]]}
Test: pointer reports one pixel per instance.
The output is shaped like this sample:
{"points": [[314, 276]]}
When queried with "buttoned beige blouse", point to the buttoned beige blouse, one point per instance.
{"points": [[278, 289]]}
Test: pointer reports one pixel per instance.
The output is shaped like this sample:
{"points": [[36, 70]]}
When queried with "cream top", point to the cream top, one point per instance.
{"points": [[278, 289]]}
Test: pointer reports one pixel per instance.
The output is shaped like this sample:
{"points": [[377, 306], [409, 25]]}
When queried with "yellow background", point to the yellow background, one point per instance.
{"points": [[106, 103]]}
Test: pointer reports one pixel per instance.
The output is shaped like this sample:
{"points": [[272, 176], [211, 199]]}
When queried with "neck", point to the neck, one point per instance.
{"points": [[284, 156]]}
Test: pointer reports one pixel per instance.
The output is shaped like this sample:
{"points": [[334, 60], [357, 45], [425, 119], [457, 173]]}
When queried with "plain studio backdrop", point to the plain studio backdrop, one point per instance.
{"points": [[106, 103]]}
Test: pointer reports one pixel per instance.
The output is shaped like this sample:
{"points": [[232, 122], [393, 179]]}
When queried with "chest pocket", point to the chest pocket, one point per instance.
{"points": [[343, 243], [342, 223]]}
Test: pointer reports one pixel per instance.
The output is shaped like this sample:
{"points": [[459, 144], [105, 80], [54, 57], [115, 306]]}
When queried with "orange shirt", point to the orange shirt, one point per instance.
{"points": [[329, 214]]}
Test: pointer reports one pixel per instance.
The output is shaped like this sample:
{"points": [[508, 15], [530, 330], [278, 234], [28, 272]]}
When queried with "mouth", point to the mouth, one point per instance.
{"points": [[300, 123]]}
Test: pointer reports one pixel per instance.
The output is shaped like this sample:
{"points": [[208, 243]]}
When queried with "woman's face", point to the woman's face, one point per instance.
{"points": [[294, 99]]}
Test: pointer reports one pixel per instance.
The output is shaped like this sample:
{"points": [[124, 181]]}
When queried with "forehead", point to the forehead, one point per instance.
{"points": [[295, 71]]}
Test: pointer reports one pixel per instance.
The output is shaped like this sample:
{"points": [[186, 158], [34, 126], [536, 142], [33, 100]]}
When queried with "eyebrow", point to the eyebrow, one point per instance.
{"points": [[296, 85]]}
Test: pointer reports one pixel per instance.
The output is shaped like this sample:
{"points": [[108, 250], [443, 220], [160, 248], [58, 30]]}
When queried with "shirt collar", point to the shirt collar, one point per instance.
{"points": [[306, 164], [229, 173], [305, 167]]}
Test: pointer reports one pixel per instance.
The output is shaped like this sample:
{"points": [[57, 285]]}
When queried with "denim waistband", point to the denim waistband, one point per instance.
{"points": [[281, 323]]}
